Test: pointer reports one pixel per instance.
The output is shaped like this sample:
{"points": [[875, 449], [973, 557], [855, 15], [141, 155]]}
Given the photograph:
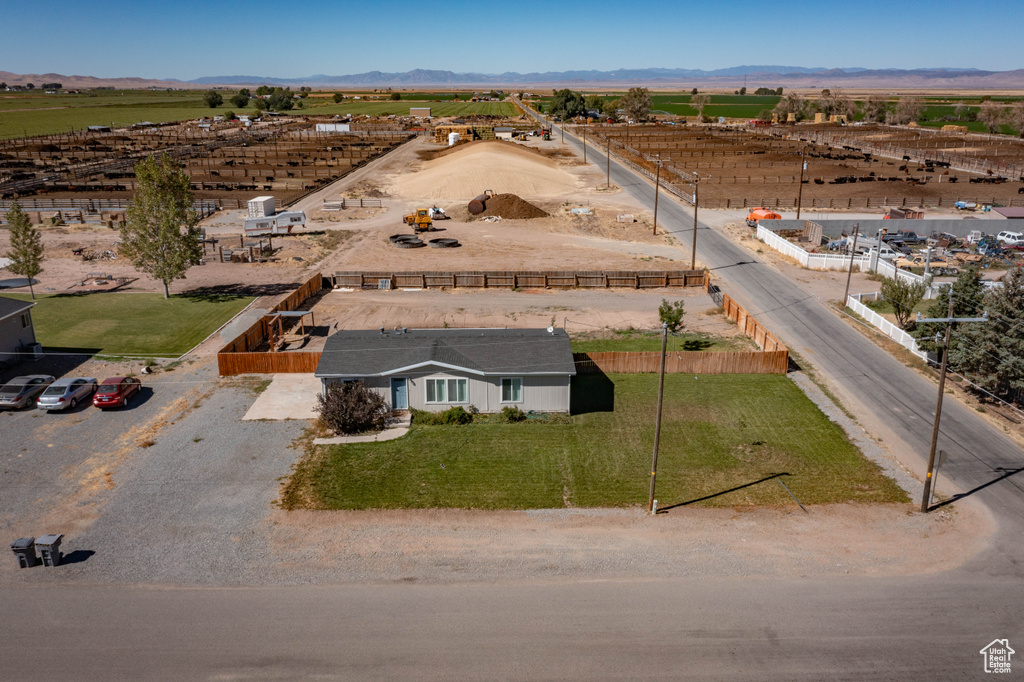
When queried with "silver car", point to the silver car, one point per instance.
{"points": [[20, 391], [67, 392]]}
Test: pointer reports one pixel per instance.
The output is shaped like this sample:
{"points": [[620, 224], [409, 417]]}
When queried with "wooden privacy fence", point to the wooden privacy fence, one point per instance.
{"points": [[751, 327], [684, 362], [519, 279], [238, 357]]}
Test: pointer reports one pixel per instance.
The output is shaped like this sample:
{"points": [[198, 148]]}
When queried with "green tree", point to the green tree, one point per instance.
{"points": [[260, 104], [611, 109], [213, 99], [991, 353], [743, 90], [903, 296], [968, 301], [594, 102], [636, 103], [395, 96], [241, 99], [671, 313], [338, 97], [567, 104], [693, 92], [26, 252], [229, 116], [263, 91], [160, 236]]}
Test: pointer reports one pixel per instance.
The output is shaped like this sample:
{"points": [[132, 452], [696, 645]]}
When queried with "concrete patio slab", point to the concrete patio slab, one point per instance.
{"points": [[289, 396]]}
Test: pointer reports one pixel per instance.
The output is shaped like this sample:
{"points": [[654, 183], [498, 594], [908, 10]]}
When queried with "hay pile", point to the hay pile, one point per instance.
{"points": [[512, 207]]}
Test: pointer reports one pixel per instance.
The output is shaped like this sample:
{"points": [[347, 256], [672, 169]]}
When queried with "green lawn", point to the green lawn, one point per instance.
{"points": [[130, 324], [626, 342], [719, 433]]}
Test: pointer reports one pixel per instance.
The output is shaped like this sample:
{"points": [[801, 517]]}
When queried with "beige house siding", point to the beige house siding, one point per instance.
{"points": [[540, 393]]}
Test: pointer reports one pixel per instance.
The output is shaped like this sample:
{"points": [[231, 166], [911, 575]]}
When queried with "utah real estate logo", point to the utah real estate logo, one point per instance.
{"points": [[997, 656]]}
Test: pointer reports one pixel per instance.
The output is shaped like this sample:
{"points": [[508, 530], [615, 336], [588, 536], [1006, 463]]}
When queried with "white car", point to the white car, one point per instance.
{"points": [[1010, 238], [67, 392]]}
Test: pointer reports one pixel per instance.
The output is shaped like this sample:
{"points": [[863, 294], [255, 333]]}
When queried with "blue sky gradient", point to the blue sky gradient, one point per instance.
{"points": [[186, 40]]}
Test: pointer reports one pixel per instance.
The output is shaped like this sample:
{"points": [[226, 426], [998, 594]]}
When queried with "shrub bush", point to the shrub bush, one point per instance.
{"points": [[511, 415], [452, 416], [352, 408]]}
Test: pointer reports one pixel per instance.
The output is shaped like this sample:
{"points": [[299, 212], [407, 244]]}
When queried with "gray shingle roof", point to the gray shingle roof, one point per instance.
{"points": [[354, 353], [12, 306]]}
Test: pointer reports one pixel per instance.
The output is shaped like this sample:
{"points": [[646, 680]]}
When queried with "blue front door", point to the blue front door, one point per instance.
{"points": [[399, 396]]}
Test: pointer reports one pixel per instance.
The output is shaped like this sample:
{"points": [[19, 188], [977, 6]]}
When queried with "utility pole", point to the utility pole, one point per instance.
{"points": [[853, 252], [696, 198], [584, 145], [657, 420], [608, 158], [949, 320], [657, 187], [800, 189]]}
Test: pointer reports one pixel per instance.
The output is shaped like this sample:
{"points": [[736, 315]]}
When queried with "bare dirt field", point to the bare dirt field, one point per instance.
{"points": [[847, 167]]}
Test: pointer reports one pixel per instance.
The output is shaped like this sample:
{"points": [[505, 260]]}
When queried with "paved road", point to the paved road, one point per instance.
{"points": [[861, 629]]}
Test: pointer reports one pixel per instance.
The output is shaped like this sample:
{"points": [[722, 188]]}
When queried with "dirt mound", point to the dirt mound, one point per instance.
{"points": [[511, 207], [500, 166]]}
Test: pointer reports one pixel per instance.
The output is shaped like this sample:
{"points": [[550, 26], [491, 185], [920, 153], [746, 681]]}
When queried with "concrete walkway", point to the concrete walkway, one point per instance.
{"points": [[396, 428], [289, 396]]}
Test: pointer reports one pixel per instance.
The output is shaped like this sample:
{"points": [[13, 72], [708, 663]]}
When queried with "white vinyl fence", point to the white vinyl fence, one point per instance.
{"points": [[854, 303]]}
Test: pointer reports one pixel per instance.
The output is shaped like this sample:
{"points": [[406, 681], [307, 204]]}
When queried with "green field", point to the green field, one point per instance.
{"points": [[724, 438], [130, 324], [34, 114], [401, 108]]}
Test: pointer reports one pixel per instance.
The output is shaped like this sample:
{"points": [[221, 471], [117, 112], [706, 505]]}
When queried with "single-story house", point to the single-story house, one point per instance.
{"points": [[16, 330], [434, 369]]}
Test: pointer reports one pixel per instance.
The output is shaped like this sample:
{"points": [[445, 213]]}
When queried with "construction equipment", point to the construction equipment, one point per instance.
{"points": [[438, 214], [965, 205], [546, 133], [419, 219], [761, 213]]}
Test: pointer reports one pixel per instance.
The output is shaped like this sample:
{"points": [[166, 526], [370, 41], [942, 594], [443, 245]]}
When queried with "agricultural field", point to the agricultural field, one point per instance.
{"points": [[132, 324], [724, 440], [35, 113]]}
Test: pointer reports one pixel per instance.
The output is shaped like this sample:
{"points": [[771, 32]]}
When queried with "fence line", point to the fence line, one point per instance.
{"points": [[684, 362], [633, 279], [893, 331]]}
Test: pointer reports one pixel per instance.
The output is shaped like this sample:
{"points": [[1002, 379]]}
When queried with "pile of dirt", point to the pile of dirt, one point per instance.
{"points": [[512, 207], [473, 168]]}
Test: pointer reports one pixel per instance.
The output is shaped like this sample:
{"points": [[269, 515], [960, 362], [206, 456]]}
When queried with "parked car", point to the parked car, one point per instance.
{"points": [[905, 236], [66, 392], [116, 392], [20, 391], [1010, 238]]}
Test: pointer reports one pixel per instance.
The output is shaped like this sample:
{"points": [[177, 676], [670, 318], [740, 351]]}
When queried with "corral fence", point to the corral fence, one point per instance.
{"points": [[643, 279], [86, 210], [341, 204], [241, 356]]}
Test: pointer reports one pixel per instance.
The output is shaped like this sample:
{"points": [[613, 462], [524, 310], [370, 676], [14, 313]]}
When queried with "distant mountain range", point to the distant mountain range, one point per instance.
{"points": [[752, 76]]}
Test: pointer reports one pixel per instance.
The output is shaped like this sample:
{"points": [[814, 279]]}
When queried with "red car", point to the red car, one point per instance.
{"points": [[116, 392]]}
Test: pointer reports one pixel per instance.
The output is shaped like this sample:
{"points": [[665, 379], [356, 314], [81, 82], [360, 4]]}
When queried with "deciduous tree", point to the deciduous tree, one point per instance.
{"points": [[1015, 117], [213, 99], [875, 107], [636, 103], [26, 252], [160, 236], [699, 102], [567, 104], [903, 296], [992, 114], [240, 99], [907, 109], [671, 313]]}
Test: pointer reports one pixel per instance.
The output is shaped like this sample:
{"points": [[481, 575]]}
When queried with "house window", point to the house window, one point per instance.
{"points": [[512, 390], [25, 320], [447, 390]]}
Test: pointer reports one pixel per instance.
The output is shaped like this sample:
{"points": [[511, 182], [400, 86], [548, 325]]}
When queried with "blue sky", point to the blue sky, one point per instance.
{"points": [[187, 40]]}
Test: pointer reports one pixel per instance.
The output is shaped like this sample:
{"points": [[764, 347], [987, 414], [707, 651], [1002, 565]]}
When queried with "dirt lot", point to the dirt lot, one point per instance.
{"points": [[848, 167]]}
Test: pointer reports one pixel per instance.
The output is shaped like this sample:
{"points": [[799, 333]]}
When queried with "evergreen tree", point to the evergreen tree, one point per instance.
{"points": [[160, 236], [968, 301], [26, 246], [991, 353]]}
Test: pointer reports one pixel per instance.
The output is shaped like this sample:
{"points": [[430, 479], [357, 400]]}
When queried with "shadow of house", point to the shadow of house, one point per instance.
{"points": [[592, 392]]}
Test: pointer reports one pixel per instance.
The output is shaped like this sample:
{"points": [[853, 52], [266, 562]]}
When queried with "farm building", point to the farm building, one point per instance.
{"points": [[504, 132], [16, 331], [332, 127], [434, 369]]}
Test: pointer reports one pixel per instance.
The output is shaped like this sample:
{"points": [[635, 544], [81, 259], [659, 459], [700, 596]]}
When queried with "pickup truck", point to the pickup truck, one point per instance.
{"points": [[905, 236], [938, 266]]}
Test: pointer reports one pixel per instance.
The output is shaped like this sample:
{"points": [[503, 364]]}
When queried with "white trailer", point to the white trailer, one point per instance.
{"points": [[261, 207], [279, 223]]}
